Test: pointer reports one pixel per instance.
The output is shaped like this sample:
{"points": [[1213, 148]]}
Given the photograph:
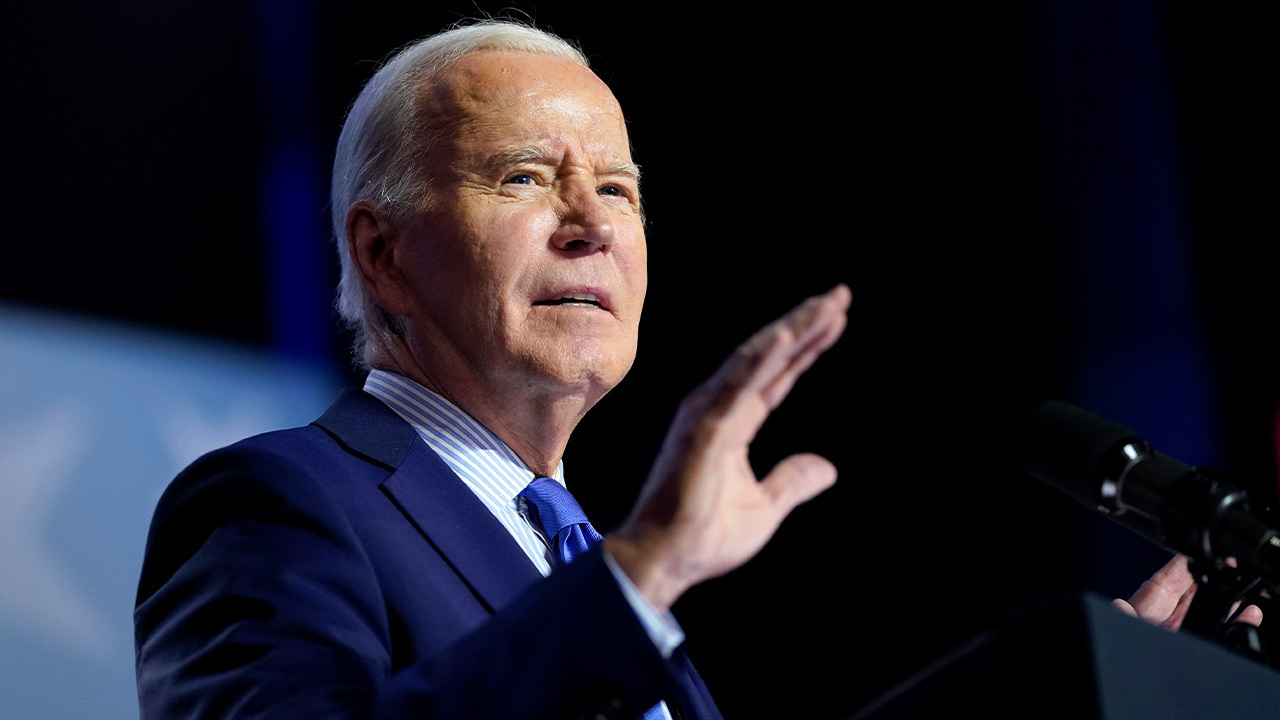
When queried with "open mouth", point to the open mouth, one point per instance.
{"points": [[574, 299]]}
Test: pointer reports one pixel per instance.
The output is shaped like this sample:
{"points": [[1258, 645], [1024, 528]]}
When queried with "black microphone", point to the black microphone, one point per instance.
{"points": [[1182, 508]]}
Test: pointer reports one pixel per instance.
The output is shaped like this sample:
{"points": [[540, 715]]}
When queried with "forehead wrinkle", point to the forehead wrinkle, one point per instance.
{"points": [[470, 100]]}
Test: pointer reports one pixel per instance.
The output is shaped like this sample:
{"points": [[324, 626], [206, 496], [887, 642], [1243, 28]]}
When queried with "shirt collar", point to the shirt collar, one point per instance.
{"points": [[479, 457]]}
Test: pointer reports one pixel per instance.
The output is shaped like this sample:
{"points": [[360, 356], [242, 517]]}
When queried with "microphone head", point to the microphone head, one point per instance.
{"points": [[1067, 447]]}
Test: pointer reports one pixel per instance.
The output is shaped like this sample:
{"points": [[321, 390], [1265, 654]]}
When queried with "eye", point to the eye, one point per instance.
{"points": [[521, 179], [613, 190]]}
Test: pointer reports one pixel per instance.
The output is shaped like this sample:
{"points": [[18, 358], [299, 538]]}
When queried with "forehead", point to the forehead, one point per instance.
{"points": [[494, 98]]}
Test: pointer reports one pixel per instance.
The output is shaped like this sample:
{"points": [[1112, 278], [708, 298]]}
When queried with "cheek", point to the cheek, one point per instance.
{"points": [[520, 223], [509, 240], [635, 265], [490, 242], [642, 268], [537, 225]]}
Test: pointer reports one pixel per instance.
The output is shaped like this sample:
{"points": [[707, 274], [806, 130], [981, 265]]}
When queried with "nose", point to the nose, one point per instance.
{"points": [[586, 223]]}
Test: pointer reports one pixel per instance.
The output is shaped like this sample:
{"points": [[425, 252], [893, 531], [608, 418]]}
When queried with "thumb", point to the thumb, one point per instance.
{"points": [[798, 479]]}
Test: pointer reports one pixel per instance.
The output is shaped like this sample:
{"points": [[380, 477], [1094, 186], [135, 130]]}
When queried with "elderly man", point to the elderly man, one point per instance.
{"points": [[388, 560]]}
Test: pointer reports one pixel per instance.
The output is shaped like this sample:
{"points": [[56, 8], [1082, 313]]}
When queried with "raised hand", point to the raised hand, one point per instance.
{"points": [[702, 511]]}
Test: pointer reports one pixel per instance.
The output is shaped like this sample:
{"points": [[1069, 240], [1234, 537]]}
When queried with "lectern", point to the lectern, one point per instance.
{"points": [[1082, 658]]}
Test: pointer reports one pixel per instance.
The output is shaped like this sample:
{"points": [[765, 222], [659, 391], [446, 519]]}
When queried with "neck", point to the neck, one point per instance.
{"points": [[534, 422]]}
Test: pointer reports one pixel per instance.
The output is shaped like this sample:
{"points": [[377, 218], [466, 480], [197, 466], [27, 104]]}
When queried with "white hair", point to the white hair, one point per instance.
{"points": [[381, 151]]}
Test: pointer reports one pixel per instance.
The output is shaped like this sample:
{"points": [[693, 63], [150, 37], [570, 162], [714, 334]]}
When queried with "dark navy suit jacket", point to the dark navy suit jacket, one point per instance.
{"points": [[342, 570]]}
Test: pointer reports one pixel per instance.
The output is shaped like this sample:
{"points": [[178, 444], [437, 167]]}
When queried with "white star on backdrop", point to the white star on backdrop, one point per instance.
{"points": [[188, 432], [39, 455]]}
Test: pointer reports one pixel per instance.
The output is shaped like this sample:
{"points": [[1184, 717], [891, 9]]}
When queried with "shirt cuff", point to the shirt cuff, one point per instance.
{"points": [[662, 628]]}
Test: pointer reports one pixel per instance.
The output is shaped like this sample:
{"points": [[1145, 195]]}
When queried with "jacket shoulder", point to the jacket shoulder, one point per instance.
{"points": [[292, 477]]}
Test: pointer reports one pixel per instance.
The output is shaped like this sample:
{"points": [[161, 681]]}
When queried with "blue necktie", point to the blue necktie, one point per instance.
{"points": [[551, 507]]}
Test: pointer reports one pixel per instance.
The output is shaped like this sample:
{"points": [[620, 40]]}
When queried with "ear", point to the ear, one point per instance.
{"points": [[372, 242]]}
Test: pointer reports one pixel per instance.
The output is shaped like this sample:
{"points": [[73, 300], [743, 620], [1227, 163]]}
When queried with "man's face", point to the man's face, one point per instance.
{"points": [[526, 267]]}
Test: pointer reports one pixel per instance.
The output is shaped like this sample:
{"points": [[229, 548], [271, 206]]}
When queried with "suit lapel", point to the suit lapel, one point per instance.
{"points": [[433, 498], [464, 531]]}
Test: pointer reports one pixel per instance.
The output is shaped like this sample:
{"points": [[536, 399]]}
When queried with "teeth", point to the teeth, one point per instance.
{"points": [[580, 299]]}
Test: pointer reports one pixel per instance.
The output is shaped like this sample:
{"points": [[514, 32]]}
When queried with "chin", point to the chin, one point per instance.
{"points": [[587, 376]]}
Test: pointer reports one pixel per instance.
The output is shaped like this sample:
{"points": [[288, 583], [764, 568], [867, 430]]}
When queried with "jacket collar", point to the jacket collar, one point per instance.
{"points": [[363, 425], [447, 513]]}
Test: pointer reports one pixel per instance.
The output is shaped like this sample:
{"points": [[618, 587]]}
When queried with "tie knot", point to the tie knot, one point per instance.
{"points": [[553, 506], [561, 518]]}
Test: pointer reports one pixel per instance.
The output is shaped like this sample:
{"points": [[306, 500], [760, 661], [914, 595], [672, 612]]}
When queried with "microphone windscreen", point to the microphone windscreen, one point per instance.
{"points": [[1065, 446]]}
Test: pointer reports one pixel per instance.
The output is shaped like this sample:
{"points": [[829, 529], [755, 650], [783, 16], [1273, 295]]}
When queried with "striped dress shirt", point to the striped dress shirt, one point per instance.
{"points": [[497, 475], [479, 458]]}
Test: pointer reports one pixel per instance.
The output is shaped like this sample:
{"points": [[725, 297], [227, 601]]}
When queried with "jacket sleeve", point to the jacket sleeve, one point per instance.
{"points": [[258, 600]]}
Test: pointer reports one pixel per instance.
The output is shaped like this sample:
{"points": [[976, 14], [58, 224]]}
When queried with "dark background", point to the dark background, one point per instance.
{"points": [[1057, 199]]}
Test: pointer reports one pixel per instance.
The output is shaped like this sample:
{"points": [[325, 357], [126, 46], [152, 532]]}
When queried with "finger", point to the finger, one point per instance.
{"points": [[796, 340], [1124, 607], [796, 480], [822, 333], [1252, 615], [781, 384], [1159, 597], [1174, 621], [736, 392], [814, 320]]}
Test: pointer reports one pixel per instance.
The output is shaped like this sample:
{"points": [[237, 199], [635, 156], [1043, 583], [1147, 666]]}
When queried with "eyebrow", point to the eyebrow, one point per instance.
{"points": [[629, 169], [540, 154]]}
